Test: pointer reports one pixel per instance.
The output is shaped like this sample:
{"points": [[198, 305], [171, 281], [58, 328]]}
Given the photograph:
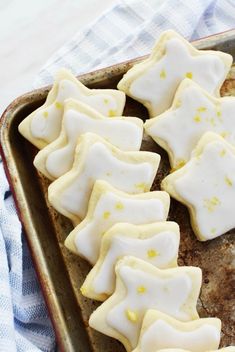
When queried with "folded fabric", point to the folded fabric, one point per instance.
{"points": [[126, 30], [24, 321], [130, 28]]}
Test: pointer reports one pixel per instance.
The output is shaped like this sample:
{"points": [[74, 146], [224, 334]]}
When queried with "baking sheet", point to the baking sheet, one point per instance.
{"points": [[60, 272]]}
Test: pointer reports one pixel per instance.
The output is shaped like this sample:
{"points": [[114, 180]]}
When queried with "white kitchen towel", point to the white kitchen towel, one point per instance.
{"points": [[130, 28], [24, 321], [126, 30]]}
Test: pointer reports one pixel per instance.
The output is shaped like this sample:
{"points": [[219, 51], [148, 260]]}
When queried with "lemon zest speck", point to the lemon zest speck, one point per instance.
{"points": [[141, 289], [112, 113], [163, 74], [224, 134], [119, 206], [106, 215], [152, 253], [211, 203], [197, 118], [131, 315], [178, 103], [222, 152], [228, 181], [45, 113], [58, 105], [201, 109], [141, 186], [189, 75]]}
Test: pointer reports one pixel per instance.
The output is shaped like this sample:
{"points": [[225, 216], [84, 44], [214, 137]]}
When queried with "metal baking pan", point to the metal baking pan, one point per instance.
{"points": [[60, 272]]}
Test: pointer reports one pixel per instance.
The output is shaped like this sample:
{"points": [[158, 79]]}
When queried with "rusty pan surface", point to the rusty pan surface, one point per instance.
{"points": [[62, 273]]}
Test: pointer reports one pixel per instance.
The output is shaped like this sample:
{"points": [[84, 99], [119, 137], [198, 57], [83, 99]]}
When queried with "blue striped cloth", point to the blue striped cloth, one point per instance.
{"points": [[130, 28], [126, 30], [24, 321]]}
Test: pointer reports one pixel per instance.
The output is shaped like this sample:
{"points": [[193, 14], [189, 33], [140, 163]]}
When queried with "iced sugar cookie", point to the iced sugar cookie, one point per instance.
{"points": [[160, 331], [57, 157], [193, 113], [141, 286], [156, 243], [108, 206], [43, 125], [132, 172], [154, 81], [206, 185]]}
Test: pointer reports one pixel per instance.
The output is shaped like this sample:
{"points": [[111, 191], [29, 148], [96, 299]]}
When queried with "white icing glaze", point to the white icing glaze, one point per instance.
{"points": [[133, 210], [167, 294], [157, 83], [44, 128], [163, 335], [102, 163], [208, 184], [48, 127], [159, 250], [124, 134], [182, 127]]}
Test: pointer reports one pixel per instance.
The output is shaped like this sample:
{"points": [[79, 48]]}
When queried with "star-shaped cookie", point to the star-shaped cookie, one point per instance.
{"points": [[57, 157], [141, 286], [206, 185], [156, 243], [161, 331], [108, 206], [154, 81], [193, 113], [43, 125], [95, 158]]}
